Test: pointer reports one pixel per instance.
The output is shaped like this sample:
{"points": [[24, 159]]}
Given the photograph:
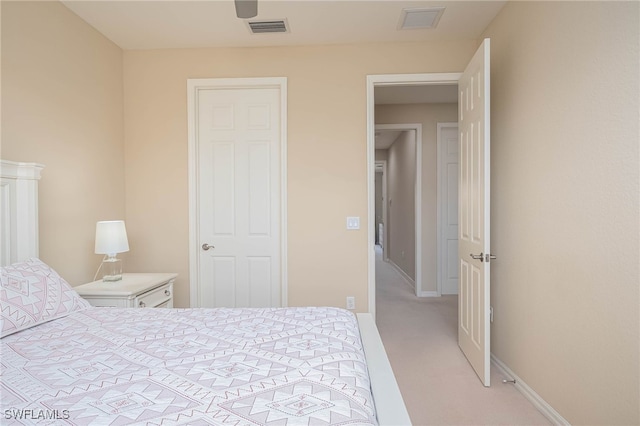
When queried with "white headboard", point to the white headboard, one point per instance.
{"points": [[18, 211]]}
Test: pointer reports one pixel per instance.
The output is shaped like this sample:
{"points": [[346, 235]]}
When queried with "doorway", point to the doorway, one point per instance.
{"points": [[474, 208], [428, 256], [380, 228]]}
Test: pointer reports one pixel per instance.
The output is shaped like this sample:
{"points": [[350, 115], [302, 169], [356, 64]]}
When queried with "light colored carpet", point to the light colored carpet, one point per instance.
{"points": [[437, 383]]}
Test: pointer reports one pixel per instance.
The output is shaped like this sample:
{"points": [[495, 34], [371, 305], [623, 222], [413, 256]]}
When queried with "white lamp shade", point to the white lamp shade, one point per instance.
{"points": [[111, 237]]}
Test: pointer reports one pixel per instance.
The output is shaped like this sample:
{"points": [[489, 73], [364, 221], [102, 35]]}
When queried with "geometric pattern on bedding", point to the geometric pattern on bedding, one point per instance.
{"points": [[288, 366], [32, 293]]}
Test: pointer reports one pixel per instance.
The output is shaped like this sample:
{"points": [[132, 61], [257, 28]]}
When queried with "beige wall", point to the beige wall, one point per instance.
{"points": [[401, 212], [326, 262], [429, 115], [379, 215], [62, 97], [381, 154], [565, 204]]}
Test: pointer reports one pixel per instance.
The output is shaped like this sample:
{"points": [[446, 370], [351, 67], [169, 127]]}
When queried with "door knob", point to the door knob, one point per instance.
{"points": [[479, 257], [206, 247]]}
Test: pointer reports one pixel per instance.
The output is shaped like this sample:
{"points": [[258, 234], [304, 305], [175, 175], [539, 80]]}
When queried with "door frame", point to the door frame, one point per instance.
{"points": [[441, 253], [193, 86], [417, 199], [387, 80]]}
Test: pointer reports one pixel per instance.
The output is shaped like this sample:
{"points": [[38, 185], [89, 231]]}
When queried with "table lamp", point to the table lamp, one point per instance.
{"points": [[111, 239]]}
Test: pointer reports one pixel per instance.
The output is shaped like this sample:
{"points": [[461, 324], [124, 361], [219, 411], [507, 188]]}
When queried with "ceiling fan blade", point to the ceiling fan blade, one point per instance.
{"points": [[246, 8]]}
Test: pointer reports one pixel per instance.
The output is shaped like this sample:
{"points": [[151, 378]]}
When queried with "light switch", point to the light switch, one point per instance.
{"points": [[353, 223]]}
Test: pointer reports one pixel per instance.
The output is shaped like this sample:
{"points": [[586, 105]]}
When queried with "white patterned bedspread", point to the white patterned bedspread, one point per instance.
{"points": [[107, 366]]}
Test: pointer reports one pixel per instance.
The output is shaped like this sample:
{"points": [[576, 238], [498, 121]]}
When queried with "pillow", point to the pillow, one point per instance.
{"points": [[32, 293]]}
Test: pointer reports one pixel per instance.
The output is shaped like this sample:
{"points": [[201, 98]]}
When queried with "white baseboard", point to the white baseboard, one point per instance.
{"points": [[531, 395], [429, 294], [403, 274]]}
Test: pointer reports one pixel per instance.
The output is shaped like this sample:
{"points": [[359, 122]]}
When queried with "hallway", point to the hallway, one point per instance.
{"points": [[437, 383]]}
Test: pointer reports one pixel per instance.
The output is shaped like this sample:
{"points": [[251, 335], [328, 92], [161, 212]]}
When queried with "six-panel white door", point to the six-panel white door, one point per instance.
{"points": [[238, 137], [473, 239], [449, 159]]}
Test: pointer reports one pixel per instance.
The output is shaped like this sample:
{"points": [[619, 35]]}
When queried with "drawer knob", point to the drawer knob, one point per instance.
{"points": [[142, 304], [167, 293]]}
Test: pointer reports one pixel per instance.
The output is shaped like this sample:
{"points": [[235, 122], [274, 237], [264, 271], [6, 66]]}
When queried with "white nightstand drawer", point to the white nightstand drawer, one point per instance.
{"points": [[160, 296], [135, 290]]}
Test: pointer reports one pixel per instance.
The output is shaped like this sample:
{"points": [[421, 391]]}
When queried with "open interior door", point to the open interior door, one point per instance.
{"points": [[474, 242]]}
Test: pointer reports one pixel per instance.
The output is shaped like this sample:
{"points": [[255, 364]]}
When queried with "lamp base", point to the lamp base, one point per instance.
{"points": [[112, 268]]}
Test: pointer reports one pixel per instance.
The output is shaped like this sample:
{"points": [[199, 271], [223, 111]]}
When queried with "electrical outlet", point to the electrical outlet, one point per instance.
{"points": [[353, 222], [351, 302], [491, 313]]}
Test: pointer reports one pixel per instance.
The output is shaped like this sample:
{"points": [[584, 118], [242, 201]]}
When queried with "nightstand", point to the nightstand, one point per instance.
{"points": [[132, 291]]}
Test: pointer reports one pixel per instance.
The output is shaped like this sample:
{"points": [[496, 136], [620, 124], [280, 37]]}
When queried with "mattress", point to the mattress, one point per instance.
{"points": [[108, 366]]}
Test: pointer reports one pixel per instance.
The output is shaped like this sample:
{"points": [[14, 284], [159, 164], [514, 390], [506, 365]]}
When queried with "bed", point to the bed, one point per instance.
{"points": [[66, 362]]}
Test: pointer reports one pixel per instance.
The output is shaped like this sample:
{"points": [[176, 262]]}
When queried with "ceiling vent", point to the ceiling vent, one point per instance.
{"points": [[270, 26], [414, 19]]}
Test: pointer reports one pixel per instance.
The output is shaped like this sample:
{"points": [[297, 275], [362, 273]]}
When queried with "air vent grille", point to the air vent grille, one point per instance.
{"points": [[273, 26], [420, 18]]}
